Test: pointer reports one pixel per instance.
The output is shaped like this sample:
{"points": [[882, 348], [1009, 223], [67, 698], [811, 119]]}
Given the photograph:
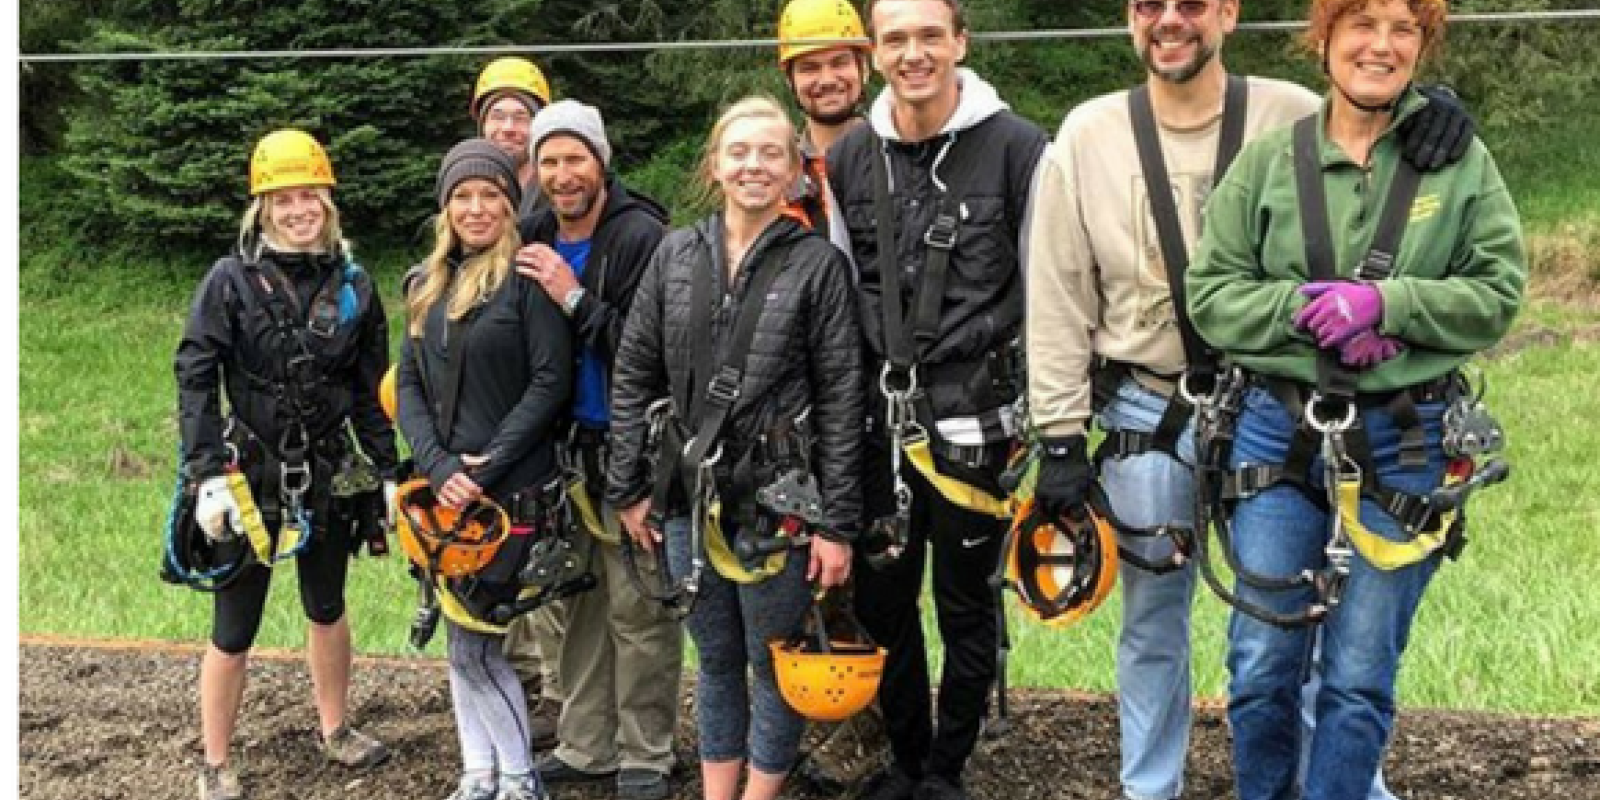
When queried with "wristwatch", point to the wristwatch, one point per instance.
{"points": [[570, 303]]}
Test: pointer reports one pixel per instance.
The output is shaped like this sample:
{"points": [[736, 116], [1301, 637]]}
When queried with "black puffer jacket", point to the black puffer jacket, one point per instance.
{"points": [[229, 347], [806, 350]]}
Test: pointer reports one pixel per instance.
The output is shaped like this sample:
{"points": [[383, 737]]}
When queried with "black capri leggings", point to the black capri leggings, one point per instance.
{"points": [[236, 610]]}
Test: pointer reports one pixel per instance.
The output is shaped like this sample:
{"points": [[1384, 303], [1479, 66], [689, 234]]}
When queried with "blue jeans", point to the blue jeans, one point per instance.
{"points": [[1279, 533], [1153, 677], [738, 707]]}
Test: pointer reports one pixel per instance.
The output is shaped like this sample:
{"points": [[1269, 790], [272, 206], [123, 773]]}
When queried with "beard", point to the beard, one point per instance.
{"points": [[1182, 74], [839, 117], [580, 208]]}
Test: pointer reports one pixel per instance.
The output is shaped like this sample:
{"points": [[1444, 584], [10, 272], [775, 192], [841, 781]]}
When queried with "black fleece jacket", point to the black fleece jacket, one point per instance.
{"points": [[806, 350], [516, 376]]}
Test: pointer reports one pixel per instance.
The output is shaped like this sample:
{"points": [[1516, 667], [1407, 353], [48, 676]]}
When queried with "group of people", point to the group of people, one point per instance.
{"points": [[877, 275]]}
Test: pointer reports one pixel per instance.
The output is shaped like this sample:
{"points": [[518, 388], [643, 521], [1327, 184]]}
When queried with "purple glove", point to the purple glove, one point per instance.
{"points": [[1369, 348], [1339, 310]]}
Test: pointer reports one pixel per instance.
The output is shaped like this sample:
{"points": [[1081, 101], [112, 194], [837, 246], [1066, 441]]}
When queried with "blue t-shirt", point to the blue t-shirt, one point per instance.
{"points": [[589, 406]]}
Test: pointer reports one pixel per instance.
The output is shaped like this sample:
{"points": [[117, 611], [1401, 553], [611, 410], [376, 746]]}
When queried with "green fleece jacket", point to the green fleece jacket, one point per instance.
{"points": [[1458, 277]]}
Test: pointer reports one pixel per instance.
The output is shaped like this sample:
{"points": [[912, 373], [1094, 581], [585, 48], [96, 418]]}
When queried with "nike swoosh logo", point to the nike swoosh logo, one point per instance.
{"points": [[971, 543]]}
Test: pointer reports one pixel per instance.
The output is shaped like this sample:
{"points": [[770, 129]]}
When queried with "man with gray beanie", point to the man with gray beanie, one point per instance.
{"points": [[620, 654]]}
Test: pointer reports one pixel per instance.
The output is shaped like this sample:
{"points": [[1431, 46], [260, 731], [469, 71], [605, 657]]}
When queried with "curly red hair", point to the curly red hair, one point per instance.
{"points": [[1324, 13]]}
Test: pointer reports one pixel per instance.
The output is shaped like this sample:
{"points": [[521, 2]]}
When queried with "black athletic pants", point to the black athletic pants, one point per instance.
{"points": [[966, 547]]}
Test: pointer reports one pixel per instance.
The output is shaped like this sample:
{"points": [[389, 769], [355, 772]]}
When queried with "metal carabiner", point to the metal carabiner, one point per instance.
{"points": [[890, 392], [1326, 425]]}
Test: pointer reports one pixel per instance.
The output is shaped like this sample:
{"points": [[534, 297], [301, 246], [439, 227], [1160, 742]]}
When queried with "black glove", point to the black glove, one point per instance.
{"points": [[1439, 134], [1064, 476]]}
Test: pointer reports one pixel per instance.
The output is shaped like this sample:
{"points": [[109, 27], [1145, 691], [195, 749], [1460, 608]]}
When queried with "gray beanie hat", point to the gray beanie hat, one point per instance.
{"points": [[478, 158], [575, 118]]}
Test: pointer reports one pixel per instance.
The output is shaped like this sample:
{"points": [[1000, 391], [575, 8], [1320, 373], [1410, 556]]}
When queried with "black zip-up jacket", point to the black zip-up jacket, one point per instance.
{"points": [[516, 378], [229, 337], [806, 350], [631, 227], [983, 302]]}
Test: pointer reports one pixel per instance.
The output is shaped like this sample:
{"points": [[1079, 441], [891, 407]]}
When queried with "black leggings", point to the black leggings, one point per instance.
{"points": [[236, 610]]}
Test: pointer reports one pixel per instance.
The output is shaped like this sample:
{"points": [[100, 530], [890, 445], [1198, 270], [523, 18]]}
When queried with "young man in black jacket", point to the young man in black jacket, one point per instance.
{"points": [[618, 653], [956, 167]]}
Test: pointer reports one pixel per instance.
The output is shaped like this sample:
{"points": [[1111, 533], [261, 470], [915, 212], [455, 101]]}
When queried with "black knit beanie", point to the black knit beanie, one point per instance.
{"points": [[478, 158]]}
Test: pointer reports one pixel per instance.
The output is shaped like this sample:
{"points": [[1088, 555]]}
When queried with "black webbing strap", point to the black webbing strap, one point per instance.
{"points": [[1333, 379], [897, 347], [295, 363], [723, 389], [1164, 208], [455, 357]]}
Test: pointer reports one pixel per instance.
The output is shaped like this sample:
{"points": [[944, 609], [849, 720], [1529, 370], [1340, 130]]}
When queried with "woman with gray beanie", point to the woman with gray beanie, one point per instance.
{"points": [[485, 369]]}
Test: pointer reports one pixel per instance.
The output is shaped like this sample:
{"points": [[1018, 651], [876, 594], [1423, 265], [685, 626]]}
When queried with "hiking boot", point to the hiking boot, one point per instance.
{"points": [[352, 748], [889, 784], [522, 787], [935, 787], [543, 715], [219, 783], [474, 788], [642, 784], [554, 770]]}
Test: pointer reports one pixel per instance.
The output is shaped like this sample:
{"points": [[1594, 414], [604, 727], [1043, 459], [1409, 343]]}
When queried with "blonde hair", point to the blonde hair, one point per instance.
{"points": [[256, 218], [708, 193], [480, 274]]}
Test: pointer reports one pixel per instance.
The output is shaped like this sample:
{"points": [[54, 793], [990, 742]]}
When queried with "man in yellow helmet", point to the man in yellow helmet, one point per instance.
{"points": [[507, 94], [822, 48]]}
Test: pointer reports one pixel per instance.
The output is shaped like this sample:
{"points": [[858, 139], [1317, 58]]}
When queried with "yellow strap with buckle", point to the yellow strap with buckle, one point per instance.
{"points": [[255, 528], [1388, 554], [457, 612], [956, 491], [727, 563], [588, 515]]}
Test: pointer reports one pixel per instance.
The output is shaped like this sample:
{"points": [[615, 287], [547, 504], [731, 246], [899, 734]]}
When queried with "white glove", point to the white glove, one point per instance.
{"points": [[217, 511], [390, 489]]}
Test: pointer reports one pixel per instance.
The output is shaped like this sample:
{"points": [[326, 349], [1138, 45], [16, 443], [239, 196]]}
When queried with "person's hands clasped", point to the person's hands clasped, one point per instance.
{"points": [[1369, 349], [830, 562], [1339, 310], [460, 489]]}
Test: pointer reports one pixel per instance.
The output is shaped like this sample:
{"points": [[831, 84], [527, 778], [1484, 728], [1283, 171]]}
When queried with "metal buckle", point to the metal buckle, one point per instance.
{"points": [[1329, 424], [724, 387], [943, 232], [886, 381]]}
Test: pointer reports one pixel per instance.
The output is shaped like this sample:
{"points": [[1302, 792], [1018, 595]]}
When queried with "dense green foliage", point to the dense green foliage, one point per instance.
{"points": [[159, 149]]}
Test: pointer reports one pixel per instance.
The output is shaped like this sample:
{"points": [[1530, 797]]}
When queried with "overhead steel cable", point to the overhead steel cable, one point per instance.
{"points": [[702, 44]]}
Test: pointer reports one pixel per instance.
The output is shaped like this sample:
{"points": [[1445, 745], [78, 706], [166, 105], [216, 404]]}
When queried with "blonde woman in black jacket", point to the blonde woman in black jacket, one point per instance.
{"points": [[805, 353]]}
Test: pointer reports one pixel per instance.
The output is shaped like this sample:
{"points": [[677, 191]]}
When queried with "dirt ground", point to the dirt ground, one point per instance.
{"points": [[99, 723]]}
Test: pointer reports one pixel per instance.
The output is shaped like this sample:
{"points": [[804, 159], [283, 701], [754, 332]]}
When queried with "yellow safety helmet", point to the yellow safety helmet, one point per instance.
{"points": [[827, 677], [288, 157], [1061, 569], [804, 20], [386, 392], [509, 73], [445, 541]]}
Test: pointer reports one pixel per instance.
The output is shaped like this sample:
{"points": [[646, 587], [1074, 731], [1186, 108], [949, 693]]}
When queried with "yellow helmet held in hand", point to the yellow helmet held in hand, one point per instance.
{"points": [[1062, 569], [824, 676], [386, 392], [804, 20], [445, 541], [288, 157], [513, 74]]}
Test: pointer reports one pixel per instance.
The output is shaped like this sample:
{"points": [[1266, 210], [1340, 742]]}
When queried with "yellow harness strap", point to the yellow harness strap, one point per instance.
{"points": [[1387, 554], [255, 528], [458, 613], [726, 563], [588, 515], [959, 492]]}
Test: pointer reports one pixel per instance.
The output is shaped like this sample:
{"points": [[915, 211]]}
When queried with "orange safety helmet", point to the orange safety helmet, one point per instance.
{"points": [[445, 541], [824, 677], [1061, 569], [386, 393]]}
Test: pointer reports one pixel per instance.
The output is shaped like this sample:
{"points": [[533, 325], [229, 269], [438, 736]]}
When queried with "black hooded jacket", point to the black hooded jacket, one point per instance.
{"points": [[806, 351], [630, 227], [230, 346]]}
